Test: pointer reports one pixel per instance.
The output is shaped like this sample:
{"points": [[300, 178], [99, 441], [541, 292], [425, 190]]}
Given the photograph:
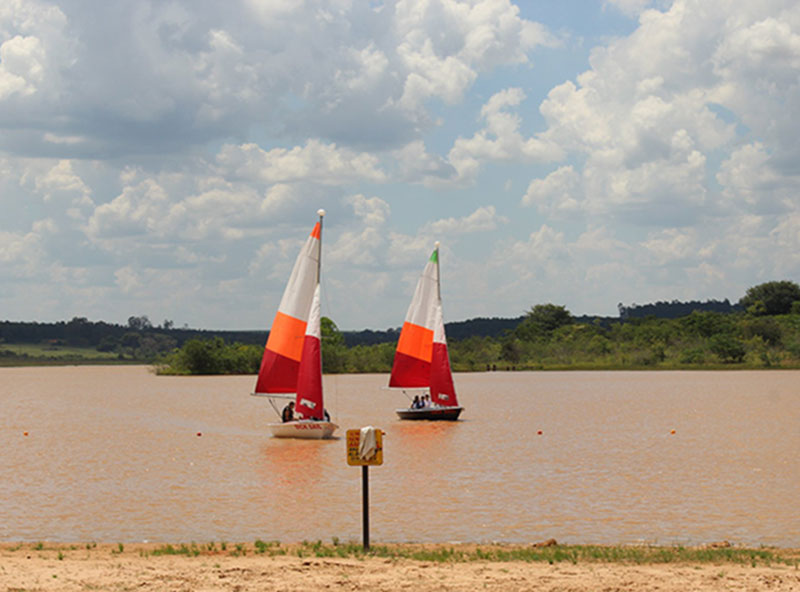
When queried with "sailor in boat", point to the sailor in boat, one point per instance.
{"points": [[415, 402], [288, 412]]}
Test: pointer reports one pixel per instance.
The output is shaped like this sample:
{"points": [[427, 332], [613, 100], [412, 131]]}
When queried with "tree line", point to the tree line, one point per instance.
{"points": [[760, 330], [763, 330]]}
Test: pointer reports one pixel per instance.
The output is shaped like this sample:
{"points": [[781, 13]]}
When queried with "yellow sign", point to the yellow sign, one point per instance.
{"points": [[353, 445]]}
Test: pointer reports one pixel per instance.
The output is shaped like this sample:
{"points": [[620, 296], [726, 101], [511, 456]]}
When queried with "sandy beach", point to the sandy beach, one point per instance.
{"points": [[45, 567]]}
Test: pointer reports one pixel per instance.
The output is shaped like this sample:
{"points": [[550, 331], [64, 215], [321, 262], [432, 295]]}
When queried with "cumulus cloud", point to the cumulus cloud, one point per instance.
{"points": [[656, 104], [481, 220], [632, 7], [500, 139], [138, 209], [671, 245], [165, 77], [184, 145], [314, 162], [444, 43], [59, 183], [24, 254], [373, 211], [415, 164], [559, 193]]}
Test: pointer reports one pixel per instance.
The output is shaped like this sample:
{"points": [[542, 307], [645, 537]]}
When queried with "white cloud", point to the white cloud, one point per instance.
{"points": [[127, 279], [752, 183], [632, 7], [21, 68], [657, 103], [138, 209], [314, 162], [500, 140], [59, 182], [147, 146], [671, 245], [168, 76], [483, 219], [444, 43], [559, 193], [372, 211], [24, 254], [415, 164], [361, 244]]}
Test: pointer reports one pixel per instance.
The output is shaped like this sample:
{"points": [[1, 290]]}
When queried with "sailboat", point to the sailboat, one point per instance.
{"points": [[421, 360], [291, 367]]}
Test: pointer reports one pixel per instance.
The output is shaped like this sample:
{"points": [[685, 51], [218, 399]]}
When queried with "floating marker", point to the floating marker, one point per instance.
{"points": [[539, 432], [672, 432], [24, 433], [199, 434]]}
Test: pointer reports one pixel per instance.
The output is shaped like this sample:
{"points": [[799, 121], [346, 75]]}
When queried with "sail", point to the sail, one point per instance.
{"points": [[284, 350], [308, 404], [414, 353], [443, 391]]}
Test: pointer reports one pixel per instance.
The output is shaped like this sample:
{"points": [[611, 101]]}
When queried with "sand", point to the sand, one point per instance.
{"points": [[103, 567]]}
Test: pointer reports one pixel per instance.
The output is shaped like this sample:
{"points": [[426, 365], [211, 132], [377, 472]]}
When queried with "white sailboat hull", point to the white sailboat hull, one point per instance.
{"points": [[304, 429]]}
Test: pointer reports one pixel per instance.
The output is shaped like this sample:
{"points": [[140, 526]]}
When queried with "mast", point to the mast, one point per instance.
{"points": [[438, 273], [321, 214]]}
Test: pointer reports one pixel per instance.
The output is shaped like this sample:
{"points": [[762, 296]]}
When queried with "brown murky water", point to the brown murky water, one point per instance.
{"points": [[116, 454]]}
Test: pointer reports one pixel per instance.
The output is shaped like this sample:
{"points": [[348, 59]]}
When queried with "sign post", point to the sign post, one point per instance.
{"points": [[365, 506], [365, 448]]}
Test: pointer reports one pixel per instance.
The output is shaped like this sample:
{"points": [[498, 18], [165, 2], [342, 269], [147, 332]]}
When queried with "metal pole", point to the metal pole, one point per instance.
{"points": [[365, 503]]}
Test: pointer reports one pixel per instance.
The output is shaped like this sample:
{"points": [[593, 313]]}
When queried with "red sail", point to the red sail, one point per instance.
{"points": [[409, 372], [308, 404], [278, 374], [443, 392]]}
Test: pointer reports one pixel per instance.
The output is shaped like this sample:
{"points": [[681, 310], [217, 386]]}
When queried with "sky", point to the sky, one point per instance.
{"points": [[167, 157]]}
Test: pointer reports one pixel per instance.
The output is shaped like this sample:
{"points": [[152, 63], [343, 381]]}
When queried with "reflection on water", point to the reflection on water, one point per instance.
{"points": [[290, 463], [118, 454]]}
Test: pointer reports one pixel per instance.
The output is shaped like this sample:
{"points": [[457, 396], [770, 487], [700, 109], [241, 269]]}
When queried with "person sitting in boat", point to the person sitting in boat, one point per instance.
{"points": [[415, 403], [327, 415], [288, 412]]}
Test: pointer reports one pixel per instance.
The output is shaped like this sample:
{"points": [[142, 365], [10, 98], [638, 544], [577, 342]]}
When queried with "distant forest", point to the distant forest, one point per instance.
{"points": [[141, 334], [141, 340], [675, 309]]}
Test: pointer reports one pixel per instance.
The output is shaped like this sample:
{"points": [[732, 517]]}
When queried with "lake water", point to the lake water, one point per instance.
{"points": [[116, 454]]}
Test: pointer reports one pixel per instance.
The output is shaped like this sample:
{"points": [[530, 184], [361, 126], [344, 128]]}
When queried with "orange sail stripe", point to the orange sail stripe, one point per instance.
{"points": [[286, 336], [416, 341], [315, 231]]}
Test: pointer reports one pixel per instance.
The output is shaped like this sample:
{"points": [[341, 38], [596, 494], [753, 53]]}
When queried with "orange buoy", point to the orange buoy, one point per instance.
{"points": [[672, 432], [24, 433]]}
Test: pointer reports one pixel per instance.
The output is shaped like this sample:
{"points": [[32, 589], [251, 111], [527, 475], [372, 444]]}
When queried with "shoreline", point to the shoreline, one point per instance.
{"points": [[421, 567], [577, 367]]}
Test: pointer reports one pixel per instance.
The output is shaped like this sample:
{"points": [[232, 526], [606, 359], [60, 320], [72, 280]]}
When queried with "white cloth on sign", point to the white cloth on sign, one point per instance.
{"points": [[368, 443]]}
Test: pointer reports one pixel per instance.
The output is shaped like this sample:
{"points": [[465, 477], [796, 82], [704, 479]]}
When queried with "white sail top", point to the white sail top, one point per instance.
{"points": [[422, 310], [313, 328], [299, 292]]}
